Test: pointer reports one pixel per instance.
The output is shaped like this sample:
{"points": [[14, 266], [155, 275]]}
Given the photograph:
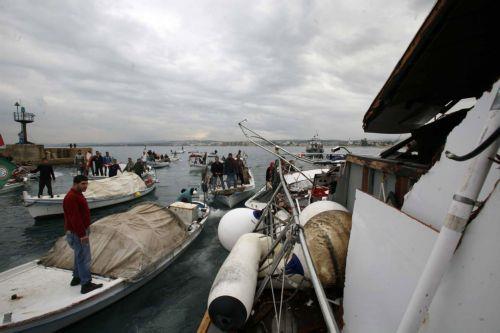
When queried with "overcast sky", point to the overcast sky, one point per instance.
{"points": [[111, 71]]}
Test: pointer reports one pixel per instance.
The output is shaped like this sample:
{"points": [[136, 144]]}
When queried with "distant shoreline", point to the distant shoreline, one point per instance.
{"points": [[284, 143]]}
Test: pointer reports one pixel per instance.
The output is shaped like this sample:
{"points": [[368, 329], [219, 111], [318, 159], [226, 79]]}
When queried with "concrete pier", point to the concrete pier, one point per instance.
{"points": [[33, 153]]}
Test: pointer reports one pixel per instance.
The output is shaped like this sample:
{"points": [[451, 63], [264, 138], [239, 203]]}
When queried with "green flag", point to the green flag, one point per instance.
{"points": [[6, 169]]}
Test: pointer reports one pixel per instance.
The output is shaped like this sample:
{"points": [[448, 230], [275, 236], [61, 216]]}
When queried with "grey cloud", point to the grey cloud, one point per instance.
{"points": [[125, 71]]}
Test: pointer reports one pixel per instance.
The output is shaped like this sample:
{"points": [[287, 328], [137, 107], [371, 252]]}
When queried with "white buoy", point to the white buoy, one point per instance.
{"points": [[319, 207], [232, 294], [234, 224]]}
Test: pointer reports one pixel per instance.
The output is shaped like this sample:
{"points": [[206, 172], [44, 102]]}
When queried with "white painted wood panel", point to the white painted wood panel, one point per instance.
{"points": [[387, 252]]}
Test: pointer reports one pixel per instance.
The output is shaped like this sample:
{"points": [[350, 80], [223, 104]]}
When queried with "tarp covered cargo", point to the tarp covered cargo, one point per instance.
{"points": [[123, 184], [126, 245]]}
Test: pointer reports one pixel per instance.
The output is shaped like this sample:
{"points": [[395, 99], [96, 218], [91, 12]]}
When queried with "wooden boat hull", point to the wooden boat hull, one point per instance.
{"points": [[231, 200], [11, 187], [97, 299], [50, 207], [235, 198], [254, 203], [196, 167], [159, 165]]}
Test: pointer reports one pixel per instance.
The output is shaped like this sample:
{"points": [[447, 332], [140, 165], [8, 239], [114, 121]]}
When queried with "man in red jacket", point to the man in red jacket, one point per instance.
{"points": [[76, 224]]}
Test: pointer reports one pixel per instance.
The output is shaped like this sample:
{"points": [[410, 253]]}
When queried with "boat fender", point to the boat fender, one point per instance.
{"points": [[234, 224], [319, 207], [327, 236], [232, 294]]}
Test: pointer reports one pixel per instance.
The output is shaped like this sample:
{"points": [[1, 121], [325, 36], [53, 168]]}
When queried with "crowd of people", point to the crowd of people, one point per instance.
{"points": [[96, 164], [151, 156], [272, 176], [231, 167], [99, 165]]}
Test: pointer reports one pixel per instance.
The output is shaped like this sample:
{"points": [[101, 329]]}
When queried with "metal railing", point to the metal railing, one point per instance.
{"points": [[24, 117]]}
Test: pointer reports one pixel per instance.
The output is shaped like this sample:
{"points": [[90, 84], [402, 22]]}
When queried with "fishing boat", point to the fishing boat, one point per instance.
{"points": [[418, 253], [198, 161], [36, 296], [158, 164], [315, 148], [230, 197], [12, 186], [332, 158], [299, 182], [100, 193], [178, 152]]}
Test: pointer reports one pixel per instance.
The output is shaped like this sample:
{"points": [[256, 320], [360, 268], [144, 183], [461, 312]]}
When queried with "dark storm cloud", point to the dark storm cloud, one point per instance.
{"points": [[125, 71]]}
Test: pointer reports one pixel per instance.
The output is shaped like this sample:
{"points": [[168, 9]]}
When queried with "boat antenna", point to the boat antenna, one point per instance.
{"points": [[281, 158], [260, 137]]}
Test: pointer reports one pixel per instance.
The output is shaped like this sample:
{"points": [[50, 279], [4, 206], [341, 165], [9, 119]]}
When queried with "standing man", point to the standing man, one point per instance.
{"points": [[139, 167], [240, 166], [230, 169], [76, 224], [79, 163], [46, 177], [269, 175], [217, 170], [130, 165], [107, 161], [89, 159], [113, 169], [99, 163]]}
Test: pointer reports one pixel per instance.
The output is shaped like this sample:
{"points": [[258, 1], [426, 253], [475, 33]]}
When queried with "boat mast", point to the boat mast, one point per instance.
{"points": [[296, 229], [318, 287]]}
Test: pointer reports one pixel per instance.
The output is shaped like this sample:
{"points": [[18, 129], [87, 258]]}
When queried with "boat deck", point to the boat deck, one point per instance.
{"points": [[39, 291]]}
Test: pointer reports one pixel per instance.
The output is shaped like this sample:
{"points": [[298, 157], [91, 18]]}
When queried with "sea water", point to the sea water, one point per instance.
{"points": [[176, 299]]}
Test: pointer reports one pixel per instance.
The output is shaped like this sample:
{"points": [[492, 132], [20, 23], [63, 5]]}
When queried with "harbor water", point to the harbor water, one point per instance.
{"points": [[176, 299]]}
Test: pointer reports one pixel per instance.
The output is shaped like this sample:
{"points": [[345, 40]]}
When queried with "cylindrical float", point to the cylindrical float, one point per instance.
{"points": [[327, 226], [232, 294]]}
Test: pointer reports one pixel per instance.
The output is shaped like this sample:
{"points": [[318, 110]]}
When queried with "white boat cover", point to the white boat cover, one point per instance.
{"points": [[123, 184], [126, 245]]}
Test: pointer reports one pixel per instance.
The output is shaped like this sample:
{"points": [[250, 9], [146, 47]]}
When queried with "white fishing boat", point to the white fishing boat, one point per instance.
{"points": [[298, 181], [178, 152], [233, 196], [37, 297], [158, 164], [198, 161], [12, 186], [100, 193]]}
